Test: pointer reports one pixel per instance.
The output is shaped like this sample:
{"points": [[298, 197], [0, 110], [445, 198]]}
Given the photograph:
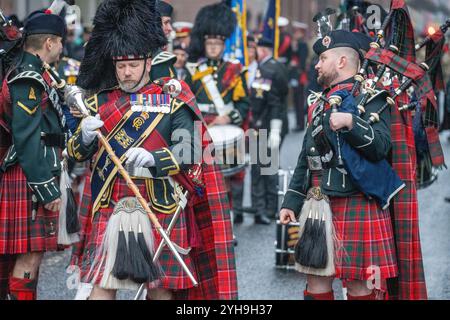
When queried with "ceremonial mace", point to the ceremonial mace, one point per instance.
{"points": [[73, 96]]}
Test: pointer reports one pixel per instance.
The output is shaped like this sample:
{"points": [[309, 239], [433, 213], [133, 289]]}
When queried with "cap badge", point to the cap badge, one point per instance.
{"points": [[326, 41]]}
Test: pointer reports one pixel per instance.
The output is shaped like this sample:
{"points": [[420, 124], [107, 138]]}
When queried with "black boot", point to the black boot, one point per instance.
{"points": [[262, 219]]}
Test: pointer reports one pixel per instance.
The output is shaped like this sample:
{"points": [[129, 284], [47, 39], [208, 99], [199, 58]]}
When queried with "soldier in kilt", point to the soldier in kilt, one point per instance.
{"points": [[30, 196], [139, 119], [365, 238]]}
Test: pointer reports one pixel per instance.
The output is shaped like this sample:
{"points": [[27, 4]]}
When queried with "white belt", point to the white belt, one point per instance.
{"points": [[211, 108]]}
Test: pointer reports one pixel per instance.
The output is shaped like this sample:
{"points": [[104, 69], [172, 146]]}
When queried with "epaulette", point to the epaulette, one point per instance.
{"points": [[163, 56], [31, 75]]}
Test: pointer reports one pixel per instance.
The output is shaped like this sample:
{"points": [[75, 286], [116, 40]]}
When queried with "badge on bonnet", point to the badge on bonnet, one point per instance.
{"points": [[326, 42]]}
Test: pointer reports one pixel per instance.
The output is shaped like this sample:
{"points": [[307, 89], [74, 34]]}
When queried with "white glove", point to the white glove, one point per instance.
{"points": [[89, 127], [275, 133], [140, 158]]}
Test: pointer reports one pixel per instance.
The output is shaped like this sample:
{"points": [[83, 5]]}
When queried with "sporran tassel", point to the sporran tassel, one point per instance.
{"points": [[140, 270], [68, 214], [120, 261], [154, 270], [122, 266], [315, 251]]}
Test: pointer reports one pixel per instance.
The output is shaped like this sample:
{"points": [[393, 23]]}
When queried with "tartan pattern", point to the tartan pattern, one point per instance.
{"points": [[401, 30], [365, 237], [212, 262], [434, 52], [410, 283], [405, 210], [18, 233], [226, 278], [85, 217], [425, 94]]}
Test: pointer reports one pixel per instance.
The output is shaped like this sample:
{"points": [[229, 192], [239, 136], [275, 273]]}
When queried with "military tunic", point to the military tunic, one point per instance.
{"points": [[157, 185], [32, 165], [362, 227]]}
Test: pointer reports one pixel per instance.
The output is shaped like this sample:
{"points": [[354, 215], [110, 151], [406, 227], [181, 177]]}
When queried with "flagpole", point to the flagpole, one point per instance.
{"points": [[244, 30], [277, 29]]}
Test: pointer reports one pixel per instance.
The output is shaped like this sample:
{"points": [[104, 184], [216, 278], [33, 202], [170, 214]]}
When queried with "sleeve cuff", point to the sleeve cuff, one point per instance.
{"points": [[47, 191], [293, 200], [165, 164], [78, 151], [361, 135]]}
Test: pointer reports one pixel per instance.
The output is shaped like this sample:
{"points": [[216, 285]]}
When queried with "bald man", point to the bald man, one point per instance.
{"points": [[359, 232]]}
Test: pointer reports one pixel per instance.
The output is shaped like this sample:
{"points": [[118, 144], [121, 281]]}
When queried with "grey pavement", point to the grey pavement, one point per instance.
{"points": [[255, 254]]}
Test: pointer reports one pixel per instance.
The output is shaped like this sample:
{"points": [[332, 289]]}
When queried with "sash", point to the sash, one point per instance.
{"points": [[133, 129]]}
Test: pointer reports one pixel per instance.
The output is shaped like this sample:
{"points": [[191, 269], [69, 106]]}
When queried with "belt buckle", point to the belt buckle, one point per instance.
{"points": [[316, 194], [314, 163], [128, 205]]}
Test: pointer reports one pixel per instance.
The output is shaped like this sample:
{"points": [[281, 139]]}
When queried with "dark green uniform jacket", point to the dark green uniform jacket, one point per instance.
{"points": [[372, 141], [162, 65], [37, 129]]}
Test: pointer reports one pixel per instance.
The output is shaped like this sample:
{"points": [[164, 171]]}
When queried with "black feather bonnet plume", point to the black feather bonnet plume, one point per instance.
{"points": [[123, 30], [213, 21]]}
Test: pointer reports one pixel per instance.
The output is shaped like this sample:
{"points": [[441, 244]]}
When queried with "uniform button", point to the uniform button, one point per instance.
{"points": [[313, 150]]}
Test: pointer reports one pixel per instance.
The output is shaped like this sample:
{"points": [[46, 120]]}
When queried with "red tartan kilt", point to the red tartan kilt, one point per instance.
{"points": [[366, 237], [18, 233], [174, 276]]}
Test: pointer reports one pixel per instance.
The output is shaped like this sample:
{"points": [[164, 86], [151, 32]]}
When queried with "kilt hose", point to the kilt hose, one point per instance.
{"points": [[366, 244], [19, 234]]}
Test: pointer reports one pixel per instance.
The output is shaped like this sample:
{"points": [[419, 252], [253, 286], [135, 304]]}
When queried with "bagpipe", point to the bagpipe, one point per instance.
{"points": [[391, 65]]}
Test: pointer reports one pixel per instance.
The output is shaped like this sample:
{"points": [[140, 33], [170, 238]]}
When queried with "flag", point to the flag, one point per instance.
{"points": [[270, 28], [236, 45]]}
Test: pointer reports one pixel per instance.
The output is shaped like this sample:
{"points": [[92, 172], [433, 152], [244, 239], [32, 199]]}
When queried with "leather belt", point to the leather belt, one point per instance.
{"points": [[54, 139]]}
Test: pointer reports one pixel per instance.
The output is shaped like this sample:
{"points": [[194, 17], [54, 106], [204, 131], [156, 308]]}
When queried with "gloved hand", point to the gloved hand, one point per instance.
{"points": [[89, 128], [275, 133], [140, 158]]}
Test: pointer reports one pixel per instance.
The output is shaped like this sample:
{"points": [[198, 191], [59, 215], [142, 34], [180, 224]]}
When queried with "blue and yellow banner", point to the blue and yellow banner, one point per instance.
{"points": [[270, 28], [236, 45]]}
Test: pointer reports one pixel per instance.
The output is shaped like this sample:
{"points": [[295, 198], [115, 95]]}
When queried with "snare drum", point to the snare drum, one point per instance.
{"points": [[229, 146], [286, 236]]}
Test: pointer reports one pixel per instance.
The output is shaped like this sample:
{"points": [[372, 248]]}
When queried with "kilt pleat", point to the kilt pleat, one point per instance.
{"points": [[18, 233]]}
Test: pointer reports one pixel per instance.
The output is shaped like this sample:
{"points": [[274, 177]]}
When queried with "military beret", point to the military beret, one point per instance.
{"points": [[343, 39], [165, 9], [265, 42], [40, 22]]}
